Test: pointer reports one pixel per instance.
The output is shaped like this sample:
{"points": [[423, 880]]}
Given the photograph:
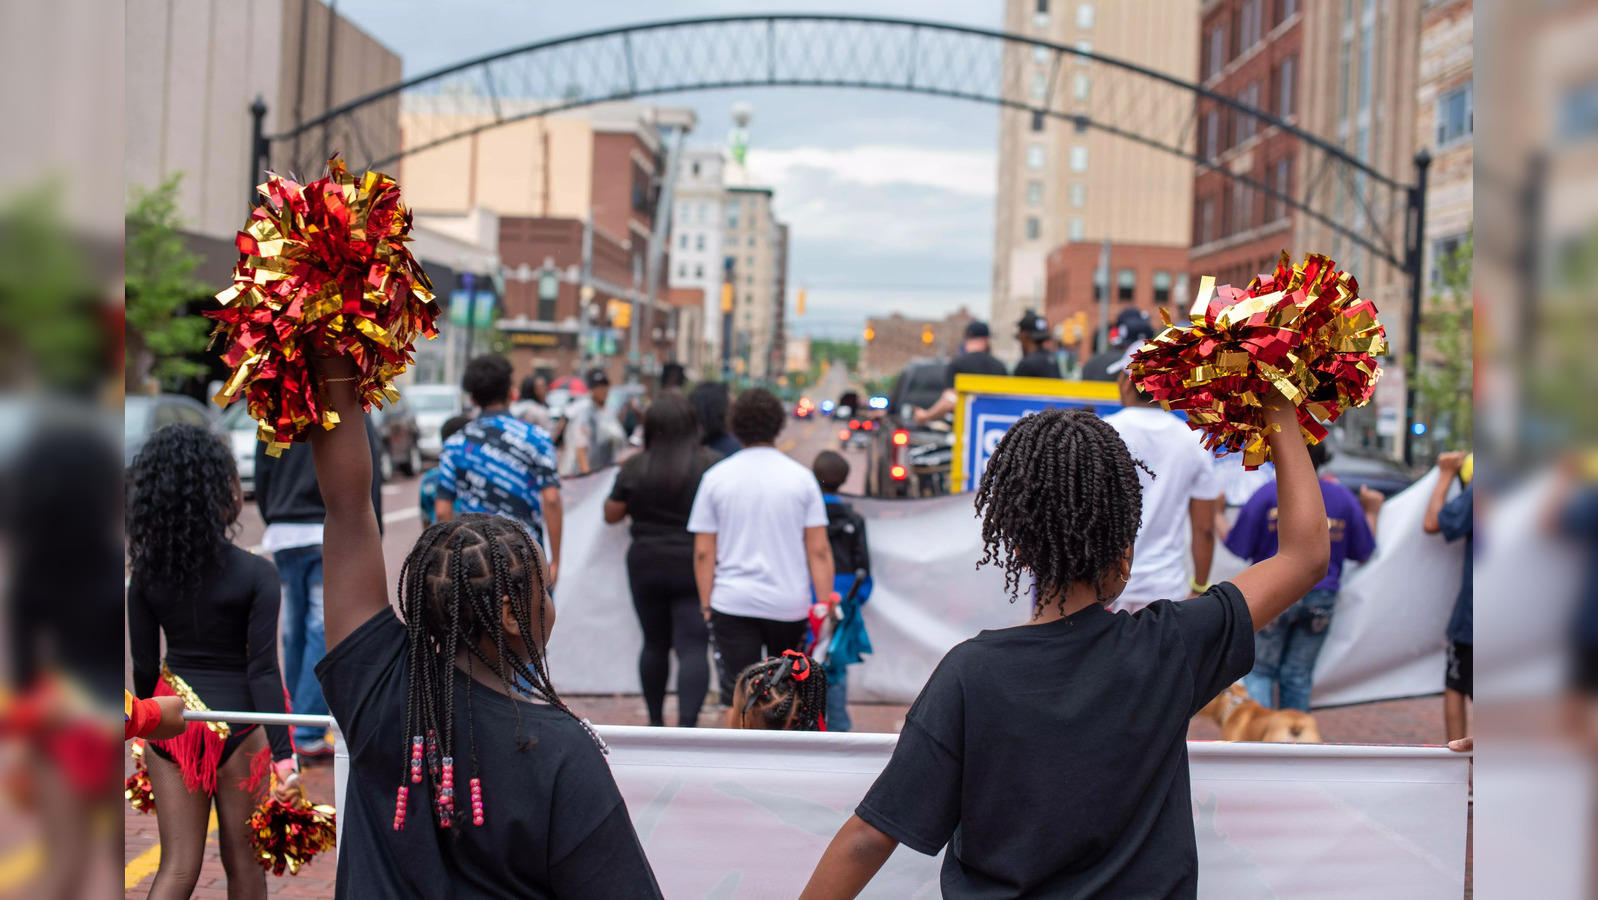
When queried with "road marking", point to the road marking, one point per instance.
{"points": [[21, 867], [400, 515], [145, 864]]}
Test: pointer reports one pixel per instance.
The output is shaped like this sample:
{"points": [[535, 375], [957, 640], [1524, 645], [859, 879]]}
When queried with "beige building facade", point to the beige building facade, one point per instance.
{"points": [[753, 242], [193, 69], [1059, 184]]}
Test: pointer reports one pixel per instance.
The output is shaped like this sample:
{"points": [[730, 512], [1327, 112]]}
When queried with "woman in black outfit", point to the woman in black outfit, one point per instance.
{"points": [[217, 605], [656, 488], [710, 402]]}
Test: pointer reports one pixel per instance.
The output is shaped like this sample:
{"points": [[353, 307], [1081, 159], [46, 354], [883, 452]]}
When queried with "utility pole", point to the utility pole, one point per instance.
{"points": [[1101, 283], [585, 294], [1416, 263]]}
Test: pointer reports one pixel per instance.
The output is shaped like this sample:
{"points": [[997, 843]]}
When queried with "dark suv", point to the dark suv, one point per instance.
{"points": [[910, 460]]}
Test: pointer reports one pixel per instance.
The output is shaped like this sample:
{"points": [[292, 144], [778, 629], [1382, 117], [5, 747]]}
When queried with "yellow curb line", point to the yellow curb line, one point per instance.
{"points": [[147, 862]]}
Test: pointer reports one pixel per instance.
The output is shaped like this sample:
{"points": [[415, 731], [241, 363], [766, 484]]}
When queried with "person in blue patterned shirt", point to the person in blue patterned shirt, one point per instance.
{"points": [[499, 464]]}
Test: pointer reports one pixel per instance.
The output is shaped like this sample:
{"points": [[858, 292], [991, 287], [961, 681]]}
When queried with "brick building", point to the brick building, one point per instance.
{"points": [[1445, 125], [1250, 50], [894, 341], [1142, 276]]}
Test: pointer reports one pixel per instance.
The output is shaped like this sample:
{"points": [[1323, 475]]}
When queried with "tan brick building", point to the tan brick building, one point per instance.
{"points": [[894, 341]]}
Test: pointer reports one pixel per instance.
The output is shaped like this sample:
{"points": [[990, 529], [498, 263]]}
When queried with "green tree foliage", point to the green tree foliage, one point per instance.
{"points": [[1443, 385], [160, 284], [52, 326], [825, 352]]}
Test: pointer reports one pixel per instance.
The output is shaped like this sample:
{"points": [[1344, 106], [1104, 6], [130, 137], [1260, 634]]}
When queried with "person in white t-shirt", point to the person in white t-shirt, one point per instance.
{"points": [[761, 555], [1179, 501]]}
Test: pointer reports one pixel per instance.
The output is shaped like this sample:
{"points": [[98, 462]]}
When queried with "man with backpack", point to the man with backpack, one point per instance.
{"points": [[851, 565]]}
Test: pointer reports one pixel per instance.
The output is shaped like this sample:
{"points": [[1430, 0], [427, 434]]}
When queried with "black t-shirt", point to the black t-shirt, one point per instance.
{"points": [[1052, 759], [1039, 363], [660, 517], [976, 362], [554, 822]]}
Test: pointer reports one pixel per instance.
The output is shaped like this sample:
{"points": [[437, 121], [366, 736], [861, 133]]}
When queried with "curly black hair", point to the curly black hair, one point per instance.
{"points": [[780, 693], [452, 588], [487, 379], [757, 417], [182, 500], [1060, 498]]}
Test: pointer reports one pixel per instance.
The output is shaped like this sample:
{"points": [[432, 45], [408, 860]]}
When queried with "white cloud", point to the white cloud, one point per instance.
{"points": [[966, 172]]}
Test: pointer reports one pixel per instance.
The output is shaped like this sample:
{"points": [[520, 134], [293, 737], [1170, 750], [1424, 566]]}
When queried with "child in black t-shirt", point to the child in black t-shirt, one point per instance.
{"points": [[468, 775], [1054, 754]]}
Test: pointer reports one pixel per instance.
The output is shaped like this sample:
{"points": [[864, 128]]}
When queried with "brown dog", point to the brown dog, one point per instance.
{"points": [[1242, 719]]}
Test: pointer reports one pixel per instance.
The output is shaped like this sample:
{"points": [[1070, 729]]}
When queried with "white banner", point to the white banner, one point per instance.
{"points": [[1386, 637], [747, 814]]}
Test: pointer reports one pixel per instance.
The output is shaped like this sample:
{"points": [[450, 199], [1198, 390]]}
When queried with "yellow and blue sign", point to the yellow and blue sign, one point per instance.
{"points": [[989, 404]]}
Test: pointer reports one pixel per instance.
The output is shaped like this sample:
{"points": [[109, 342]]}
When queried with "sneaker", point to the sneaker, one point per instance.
{"points": [[314, 751]]}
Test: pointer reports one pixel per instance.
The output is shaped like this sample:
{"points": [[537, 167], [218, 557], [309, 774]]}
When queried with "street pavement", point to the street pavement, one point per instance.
{"points": [[1414, 721]]}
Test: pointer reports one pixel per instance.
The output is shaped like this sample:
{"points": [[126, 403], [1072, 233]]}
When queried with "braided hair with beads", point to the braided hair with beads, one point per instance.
{"points": [[452, 589], [1059, 499], [782, 693]]}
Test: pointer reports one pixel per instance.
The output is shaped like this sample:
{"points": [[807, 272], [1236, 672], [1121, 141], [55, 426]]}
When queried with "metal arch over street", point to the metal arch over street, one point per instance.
{"points": [[1374, 210]]}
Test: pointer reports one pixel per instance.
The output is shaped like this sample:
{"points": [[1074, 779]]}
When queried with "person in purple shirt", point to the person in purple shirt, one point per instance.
{"points": [[1286, 649]]}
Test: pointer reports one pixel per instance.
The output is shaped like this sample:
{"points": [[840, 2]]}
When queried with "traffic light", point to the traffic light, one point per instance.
{"points": [[926, 336], [726, 297], [624, 315], [871, 334], [799, 303]]}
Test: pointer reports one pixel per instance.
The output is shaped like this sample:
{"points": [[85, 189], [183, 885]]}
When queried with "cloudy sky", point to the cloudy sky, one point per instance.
{"points": [[889, 195]]}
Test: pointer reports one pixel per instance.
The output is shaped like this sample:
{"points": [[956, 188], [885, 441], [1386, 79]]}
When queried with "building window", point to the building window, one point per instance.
{"points": [[1079, 124], [1212, 134], [1034, 193], [699, 270], [1282, 181], [1040, 55], [1079, 195], [1100, 277], [1037, 121], [1206, 223], [1242, 206], [1034, 229], [1075, 230], [1578, 112], [1215, 51], [1079, 159], [696, 170], [1125, 284], [682, 241], [1079, 86], [751, 243], [1084, 15], [1285, 9], [699, 241], [1162, 287], [1181, 288], [1287, 87], [1443, 250], [1035, 157], [1252, 14], [1084, 47], [1040, 85], [1245, 121], [1040, 15], [1456, 115]]}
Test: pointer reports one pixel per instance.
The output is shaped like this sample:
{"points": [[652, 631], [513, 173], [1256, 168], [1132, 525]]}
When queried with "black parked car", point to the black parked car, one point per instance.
{"points": [[397, 429], [910, 460]]}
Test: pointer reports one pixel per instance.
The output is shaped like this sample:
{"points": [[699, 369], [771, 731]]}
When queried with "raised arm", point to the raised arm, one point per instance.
{"points": [[1448, 466], [1304, 547], [1202, 515], [354, 585]]}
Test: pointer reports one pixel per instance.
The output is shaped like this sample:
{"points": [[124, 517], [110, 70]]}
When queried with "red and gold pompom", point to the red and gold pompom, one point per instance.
{"points": [[323, 268], [1302, 330], [140, 794], [289, 835]]}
